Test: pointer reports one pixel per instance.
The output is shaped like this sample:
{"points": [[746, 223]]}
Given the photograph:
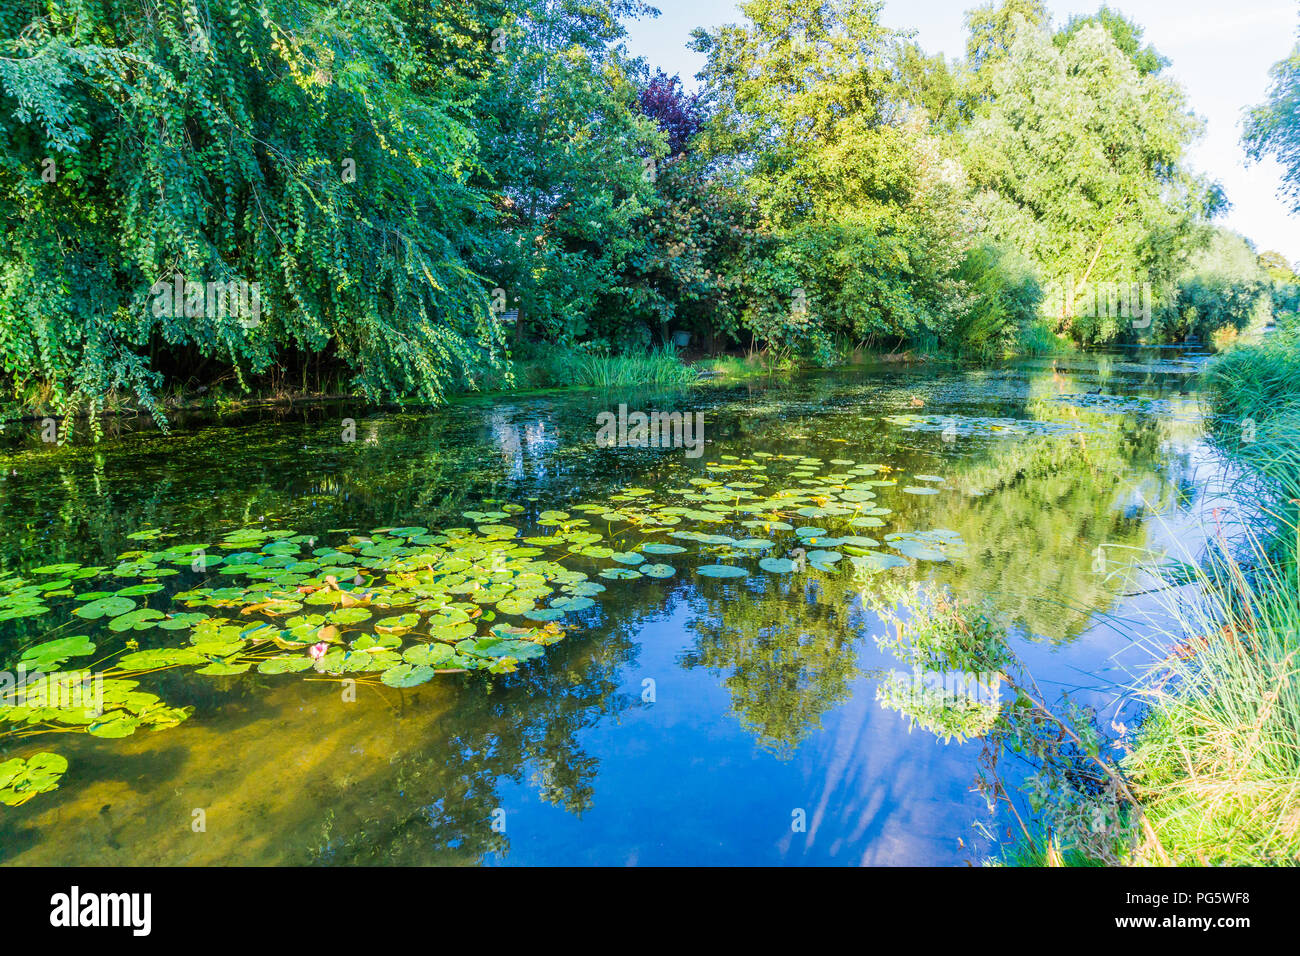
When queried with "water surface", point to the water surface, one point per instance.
{"points": [[680, 721]]}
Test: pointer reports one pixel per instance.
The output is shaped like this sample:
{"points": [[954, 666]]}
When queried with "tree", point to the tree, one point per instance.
{"points": [[859, 212], [1222, 287], [1078, 162], [1126, 34], [991, 29], [279, 146], [1273, 128], [930, 82], [679, 114], [569, 163], [1278, 269]]}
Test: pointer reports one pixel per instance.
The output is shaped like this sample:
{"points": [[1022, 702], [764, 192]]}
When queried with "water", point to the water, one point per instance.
{"points": [[691, 720]]}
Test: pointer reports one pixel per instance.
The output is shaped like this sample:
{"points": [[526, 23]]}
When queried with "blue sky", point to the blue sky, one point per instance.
{"points": [[1220, 53]]}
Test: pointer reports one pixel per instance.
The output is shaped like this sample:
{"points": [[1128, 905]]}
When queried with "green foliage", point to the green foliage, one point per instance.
{"points": [[281, 144], [388, 173], [1278, 269], [860, 213], [1077, 160], [1273, 127], [1223, 290], [1004, 303], [1126, 34], [991, 29], [566, 165]]}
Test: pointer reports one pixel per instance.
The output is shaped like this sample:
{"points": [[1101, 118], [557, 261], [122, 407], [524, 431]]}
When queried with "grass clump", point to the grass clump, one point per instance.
{"points": [[545, 366]]}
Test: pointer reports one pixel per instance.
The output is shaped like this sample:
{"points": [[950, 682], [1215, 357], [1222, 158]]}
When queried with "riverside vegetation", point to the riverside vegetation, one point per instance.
{"points": [[431, 198], [471, 196]]}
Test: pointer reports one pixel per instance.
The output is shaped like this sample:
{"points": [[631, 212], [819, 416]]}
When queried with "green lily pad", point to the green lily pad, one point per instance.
{"points": [[284, 664], [105, 607], [349, 615], [429, 655], [141, 619], [44, 656], [407, 675], [721, 571]]}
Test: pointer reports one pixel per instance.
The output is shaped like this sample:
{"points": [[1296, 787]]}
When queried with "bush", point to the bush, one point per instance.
{"points": [[1002, 314], [279, 145]]}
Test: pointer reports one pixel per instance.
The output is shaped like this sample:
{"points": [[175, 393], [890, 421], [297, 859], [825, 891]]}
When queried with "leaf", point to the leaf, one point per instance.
{"points": [[20, 779], [877, 561], [57, 651], [397, 624], [139, 620], [407, 675], [285, 664], [656, 547], [349, 615], [721, 571], [224, 668], [105, 607], [429, 655]]}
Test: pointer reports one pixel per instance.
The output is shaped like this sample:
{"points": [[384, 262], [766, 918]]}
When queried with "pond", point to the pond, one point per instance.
{"points": [[718, 716]]}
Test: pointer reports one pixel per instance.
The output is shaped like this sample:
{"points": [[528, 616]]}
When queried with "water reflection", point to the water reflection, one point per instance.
{"points": [[763, 698]]}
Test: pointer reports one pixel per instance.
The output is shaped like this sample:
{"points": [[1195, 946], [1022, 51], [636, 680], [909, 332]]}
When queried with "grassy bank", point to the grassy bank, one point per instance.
{"points": [[1216, 764]]}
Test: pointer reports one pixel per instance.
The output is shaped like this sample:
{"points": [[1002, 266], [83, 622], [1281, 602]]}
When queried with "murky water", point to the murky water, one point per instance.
{"points": [[686, 720]]}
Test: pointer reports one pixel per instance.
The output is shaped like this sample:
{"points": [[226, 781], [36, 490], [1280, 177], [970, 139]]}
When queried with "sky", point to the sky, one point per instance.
{"points": [[1219, 51]]}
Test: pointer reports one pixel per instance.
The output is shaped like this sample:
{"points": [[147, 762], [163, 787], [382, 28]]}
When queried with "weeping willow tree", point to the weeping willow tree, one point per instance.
{"points": [[282, 147]]}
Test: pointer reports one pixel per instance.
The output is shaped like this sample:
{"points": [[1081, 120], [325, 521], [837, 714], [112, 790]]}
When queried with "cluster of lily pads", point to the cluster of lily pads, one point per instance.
{"points": [[1105, 403], [402, 604], [966, 425]]}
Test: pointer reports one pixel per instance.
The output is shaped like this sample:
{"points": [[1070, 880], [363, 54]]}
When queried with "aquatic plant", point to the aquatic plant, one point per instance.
{"points": [[399, 605], [953, 425]]}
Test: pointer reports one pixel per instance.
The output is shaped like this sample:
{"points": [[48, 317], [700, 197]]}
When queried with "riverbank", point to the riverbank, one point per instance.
{"points": [[1216, 763], [543, 369]]}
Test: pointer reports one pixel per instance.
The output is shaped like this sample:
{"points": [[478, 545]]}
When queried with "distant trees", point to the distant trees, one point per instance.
{"points": [[390, 176], [1077, 159]]}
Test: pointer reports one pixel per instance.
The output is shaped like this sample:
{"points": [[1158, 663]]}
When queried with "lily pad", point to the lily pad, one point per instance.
{"points": [[721, 571], [407, 675]]}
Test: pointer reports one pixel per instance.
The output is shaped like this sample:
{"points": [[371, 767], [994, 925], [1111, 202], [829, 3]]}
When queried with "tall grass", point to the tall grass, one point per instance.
{"points": [[1216, 764], [658, 367], [545, 366]]}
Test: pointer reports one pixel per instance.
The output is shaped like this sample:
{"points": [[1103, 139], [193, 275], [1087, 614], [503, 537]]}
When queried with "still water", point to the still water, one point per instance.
{"points": [[684, 720]]}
